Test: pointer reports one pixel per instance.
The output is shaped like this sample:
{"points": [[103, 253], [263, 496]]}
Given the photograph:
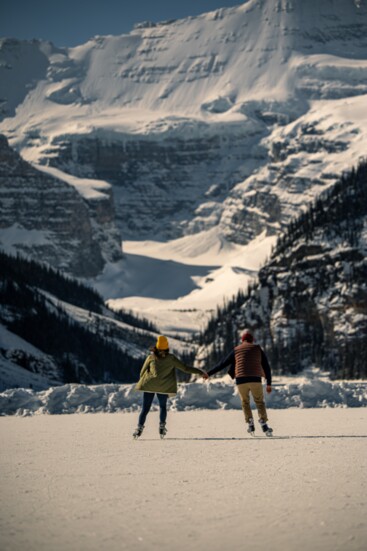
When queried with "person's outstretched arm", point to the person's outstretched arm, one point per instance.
{"points": [[267, 370], [227, 361], [186, 369]]}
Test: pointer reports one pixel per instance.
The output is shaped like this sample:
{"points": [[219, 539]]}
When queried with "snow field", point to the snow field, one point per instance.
{"points": [[178, 284], [81, 482]]}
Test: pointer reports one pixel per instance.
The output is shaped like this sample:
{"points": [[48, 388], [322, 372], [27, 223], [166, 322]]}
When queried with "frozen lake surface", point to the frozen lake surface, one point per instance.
{"points": [[80, 482]]}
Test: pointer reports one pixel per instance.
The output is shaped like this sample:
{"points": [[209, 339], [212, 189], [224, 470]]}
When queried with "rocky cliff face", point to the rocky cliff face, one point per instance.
{"points": [[310, 303], [301, 161], [46, 218], [165, 186], [236, 118]]}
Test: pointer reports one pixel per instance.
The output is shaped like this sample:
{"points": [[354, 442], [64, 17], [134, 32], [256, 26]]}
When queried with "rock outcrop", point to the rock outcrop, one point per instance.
{"points": [[309, 305], [162, 185], [190, 119], [46, 218]]}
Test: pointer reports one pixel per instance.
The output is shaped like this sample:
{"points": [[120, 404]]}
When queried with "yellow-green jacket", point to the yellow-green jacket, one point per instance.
{"points": [[159, 374]]}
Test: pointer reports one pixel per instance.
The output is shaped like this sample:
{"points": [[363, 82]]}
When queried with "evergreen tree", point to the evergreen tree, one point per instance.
{"points": [[303, 268]]}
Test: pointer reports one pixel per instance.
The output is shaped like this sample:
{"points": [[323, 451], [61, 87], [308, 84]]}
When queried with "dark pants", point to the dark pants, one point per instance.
{"points": [[147, 402]]}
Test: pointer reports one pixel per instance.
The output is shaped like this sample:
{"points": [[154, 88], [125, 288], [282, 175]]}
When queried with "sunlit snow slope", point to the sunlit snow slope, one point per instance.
{"points": [[215, 129]]}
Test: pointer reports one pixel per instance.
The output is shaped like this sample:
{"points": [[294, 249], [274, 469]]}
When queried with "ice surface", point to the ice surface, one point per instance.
{"points": [[81, 482]]}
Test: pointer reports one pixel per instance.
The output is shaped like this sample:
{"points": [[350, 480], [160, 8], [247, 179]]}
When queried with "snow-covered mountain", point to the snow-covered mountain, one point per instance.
{"points": [[54, 329], [210, 133], [65, 223], [309, 304], [234, 118]]}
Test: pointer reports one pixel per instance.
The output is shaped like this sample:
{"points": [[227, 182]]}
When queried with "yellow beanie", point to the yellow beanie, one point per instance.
{"points": [[162, 343]]}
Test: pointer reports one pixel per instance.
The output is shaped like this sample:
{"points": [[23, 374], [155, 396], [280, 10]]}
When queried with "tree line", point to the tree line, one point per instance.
{"points": [[89, 352], [319, 255], [29, 272]]}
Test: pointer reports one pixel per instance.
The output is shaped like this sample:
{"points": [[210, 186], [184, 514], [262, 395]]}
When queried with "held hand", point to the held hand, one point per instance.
{"points": [[205, 375], [268, 389]]}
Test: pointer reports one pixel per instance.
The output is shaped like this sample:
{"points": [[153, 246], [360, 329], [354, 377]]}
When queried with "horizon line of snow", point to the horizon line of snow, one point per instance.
{"points": [[112, 398]]}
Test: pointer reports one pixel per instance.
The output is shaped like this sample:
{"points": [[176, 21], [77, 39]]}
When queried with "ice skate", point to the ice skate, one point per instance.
{"points": [[266, 429], [162, 430], [138, 432], [251, 427]]}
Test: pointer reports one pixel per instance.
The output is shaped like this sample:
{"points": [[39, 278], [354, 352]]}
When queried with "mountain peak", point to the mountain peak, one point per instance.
{"points": [[222, 101]]}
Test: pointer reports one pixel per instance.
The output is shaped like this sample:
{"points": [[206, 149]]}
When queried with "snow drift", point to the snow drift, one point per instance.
{"points": [[110, 398]]}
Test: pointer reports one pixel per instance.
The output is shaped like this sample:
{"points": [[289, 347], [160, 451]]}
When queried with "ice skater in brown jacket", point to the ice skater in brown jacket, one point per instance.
{"points": [[247, 365]]}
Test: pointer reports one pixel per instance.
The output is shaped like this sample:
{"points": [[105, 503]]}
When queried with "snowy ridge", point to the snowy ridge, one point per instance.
{"points": [[44, 319], [12, 349], [178, 114], [306, 392], [87, 187], [223, 125]]}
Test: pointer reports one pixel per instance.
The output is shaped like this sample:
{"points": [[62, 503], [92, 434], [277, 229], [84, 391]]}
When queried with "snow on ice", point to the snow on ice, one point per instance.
{"points": [[309, 391], [81, 482]]}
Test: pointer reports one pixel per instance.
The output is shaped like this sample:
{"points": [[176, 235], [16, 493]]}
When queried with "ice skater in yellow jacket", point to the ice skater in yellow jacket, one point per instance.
{"points": [[158, 376]]}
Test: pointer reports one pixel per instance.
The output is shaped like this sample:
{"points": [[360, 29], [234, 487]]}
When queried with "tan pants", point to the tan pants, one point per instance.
{"points": [[256, 390]]}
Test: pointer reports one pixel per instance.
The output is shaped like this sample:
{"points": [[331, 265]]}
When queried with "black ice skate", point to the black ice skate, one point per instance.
{"points": [[138, 431], [251, 427], [162, 430], [266, 429]]}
